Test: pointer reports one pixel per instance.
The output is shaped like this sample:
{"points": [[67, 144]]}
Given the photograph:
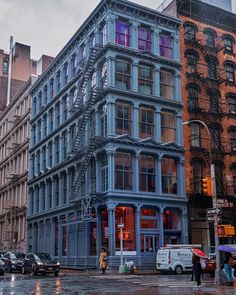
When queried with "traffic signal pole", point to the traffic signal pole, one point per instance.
{"points": [[219, 274]]}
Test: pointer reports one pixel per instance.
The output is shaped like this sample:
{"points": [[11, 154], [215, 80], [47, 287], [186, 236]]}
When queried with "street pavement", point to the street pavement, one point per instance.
{"points": [[94, 283]]}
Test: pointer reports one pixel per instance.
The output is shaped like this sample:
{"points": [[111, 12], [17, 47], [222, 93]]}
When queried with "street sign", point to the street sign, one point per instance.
{"points": [[214, 211], [221, 203], [210, 218], [121, 225]]}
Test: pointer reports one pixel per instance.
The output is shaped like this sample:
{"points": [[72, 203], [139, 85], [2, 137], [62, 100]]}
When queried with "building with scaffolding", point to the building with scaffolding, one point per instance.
{"points": [[106, 143], [209, 96]]}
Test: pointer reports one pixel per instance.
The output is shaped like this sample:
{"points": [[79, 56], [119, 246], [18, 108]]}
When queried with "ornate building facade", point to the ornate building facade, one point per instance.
{"points": [[106, 143]]}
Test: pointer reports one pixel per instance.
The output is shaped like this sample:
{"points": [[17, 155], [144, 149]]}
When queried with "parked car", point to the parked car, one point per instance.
{"points": [[2, 267], [13, 261], [2, 254], [174, 259], [40, 263]]}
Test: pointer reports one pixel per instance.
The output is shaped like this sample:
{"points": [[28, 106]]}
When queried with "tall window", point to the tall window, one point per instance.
{"points": [[104, 75], [5, 67], [210, 38], [229, 72], [104, 34], [57, 148], [64, 144], [169, 176], [189, 32], [39, 130], [228, 43], [38, 162], [56, 191], [65, 107], [216, 139], [104, 120], [65, 73], [192, 60], [172, 219], [197, 168], [146, 123], [195, 135], [166, 45], [123, 118], [168, 126], [232, 103], [44, 158], [45, 94], [147, 173], [123, 74], [123, 171], [57, 110], [166, 84], [144, 39], [45, 125], [212, 68], [92, 125], [51, 119], [122, 33], [92, 176], [104, 166], [58, 81], [233, 138], [192, 98], [50, 154], [145, 79]]}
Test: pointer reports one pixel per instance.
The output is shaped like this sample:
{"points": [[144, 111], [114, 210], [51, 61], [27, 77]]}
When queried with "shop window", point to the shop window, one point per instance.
{"points": [[125, 215], [172, 219], [168, 126], [123, 74], [123, 171], [166, 45], [146, 123], [169, 176], [144, 39], [145, 79], [166, 84], [148, 219], [123, 118], [122, 33], [147, 173]]}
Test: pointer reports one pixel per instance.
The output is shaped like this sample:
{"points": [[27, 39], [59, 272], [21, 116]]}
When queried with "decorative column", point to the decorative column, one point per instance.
{"points": [[134, 35], [178, 94], [137, 231], [111, 118], [111, 206], [179, 129], [157, 133], [156, 46], [161, 227], [111, 27], [46, 196], [135, 123], [40, 197], [134, 78], [156, 83], [98, 131], [159, 176], [111, 170], [176, 45], [111, 71]]}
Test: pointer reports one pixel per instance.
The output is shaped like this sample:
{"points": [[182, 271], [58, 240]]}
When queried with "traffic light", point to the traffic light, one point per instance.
{"points": [[225, 230], [206, 186]]}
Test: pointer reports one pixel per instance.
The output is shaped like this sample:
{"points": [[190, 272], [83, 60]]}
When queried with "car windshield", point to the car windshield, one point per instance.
{"points": [[43, 256], [17, 255]]}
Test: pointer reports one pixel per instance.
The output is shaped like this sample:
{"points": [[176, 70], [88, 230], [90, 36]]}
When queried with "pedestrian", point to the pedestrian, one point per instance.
{"points": [[103, 260], [228, 264], [197, 269]]}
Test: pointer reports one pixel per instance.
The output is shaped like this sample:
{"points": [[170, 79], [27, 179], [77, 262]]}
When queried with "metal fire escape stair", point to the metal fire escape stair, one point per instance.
{"points": [[83, 153]]}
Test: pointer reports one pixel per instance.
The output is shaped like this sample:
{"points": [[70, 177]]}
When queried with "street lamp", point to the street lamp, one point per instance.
{"points": [[219, 275]]}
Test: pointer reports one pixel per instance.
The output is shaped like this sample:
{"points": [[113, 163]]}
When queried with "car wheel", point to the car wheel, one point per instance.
{"points": [[178, 269], [23, 270], [56, 273]]}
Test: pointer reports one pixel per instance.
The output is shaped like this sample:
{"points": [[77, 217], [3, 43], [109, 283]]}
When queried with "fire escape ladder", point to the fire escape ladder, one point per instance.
{"points": [[203, 81], [87, 69], [202, 48]]}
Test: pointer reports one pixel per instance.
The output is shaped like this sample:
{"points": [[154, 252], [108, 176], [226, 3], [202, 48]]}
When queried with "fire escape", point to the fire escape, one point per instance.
{"points": [[82, 151], [216, 112]]}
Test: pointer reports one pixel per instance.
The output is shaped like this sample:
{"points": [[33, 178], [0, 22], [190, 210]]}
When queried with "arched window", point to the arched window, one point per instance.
{"points": [[197, 170], [210, 38], [228, 43], [146, 122], [123, 118], [189, 31], [193, 96], [229, 72]]}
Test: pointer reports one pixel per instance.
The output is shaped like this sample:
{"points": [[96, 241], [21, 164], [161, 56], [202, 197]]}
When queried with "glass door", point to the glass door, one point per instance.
{"points": [[149, 244]]}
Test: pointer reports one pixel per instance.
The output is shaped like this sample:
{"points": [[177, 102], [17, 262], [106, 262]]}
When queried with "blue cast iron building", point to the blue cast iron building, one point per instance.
{"points": [[106, 142]]}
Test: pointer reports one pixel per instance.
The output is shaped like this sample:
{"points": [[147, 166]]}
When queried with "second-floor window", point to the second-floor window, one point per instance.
{"points": [[166, 45], [144, 39], [123, 74], [122, 33], [123, 118], [146, 122], [167, 126], [145, 79], [123, 171], [169, 176], [166, 84], [147, 173]]}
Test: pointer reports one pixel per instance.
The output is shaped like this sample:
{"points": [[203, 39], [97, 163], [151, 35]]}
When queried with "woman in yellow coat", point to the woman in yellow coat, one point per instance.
{"points": [[103, 260]]}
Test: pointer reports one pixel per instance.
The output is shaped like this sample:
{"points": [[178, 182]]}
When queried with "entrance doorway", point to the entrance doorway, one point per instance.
{"points": [[149, 244]]}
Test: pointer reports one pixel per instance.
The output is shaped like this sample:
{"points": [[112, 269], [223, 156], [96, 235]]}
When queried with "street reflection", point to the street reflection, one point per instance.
{"points": [[38, 288], [58, 286]]}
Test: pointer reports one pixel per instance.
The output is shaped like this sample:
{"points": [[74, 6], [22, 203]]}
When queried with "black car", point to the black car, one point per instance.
{"points": [[2, 267], [13, 261], [40, 263]]}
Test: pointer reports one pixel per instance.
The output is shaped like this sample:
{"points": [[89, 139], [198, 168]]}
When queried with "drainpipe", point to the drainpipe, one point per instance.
{"points": [[9, 71]]}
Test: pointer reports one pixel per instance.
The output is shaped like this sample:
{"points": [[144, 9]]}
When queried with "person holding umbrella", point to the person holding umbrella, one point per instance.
{"points": [[197, 267]]}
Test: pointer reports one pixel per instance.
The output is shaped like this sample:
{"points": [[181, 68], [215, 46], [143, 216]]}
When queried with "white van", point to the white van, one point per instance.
{"points": [[176, 258]]}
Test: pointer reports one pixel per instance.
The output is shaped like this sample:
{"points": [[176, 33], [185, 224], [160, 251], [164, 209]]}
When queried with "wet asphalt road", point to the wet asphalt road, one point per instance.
{"points": [[75, 283]]}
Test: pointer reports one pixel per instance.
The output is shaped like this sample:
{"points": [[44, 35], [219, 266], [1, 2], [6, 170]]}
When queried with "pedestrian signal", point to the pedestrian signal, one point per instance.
{"points": [[225, 230]]}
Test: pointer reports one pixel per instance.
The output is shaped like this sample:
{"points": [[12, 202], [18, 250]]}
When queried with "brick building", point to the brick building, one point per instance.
{"points": [[209, 96], [14, 145], [22, 66]]}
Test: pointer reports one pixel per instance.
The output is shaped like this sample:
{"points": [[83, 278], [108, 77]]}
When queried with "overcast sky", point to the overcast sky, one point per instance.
{"points": [[47, 25]]}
